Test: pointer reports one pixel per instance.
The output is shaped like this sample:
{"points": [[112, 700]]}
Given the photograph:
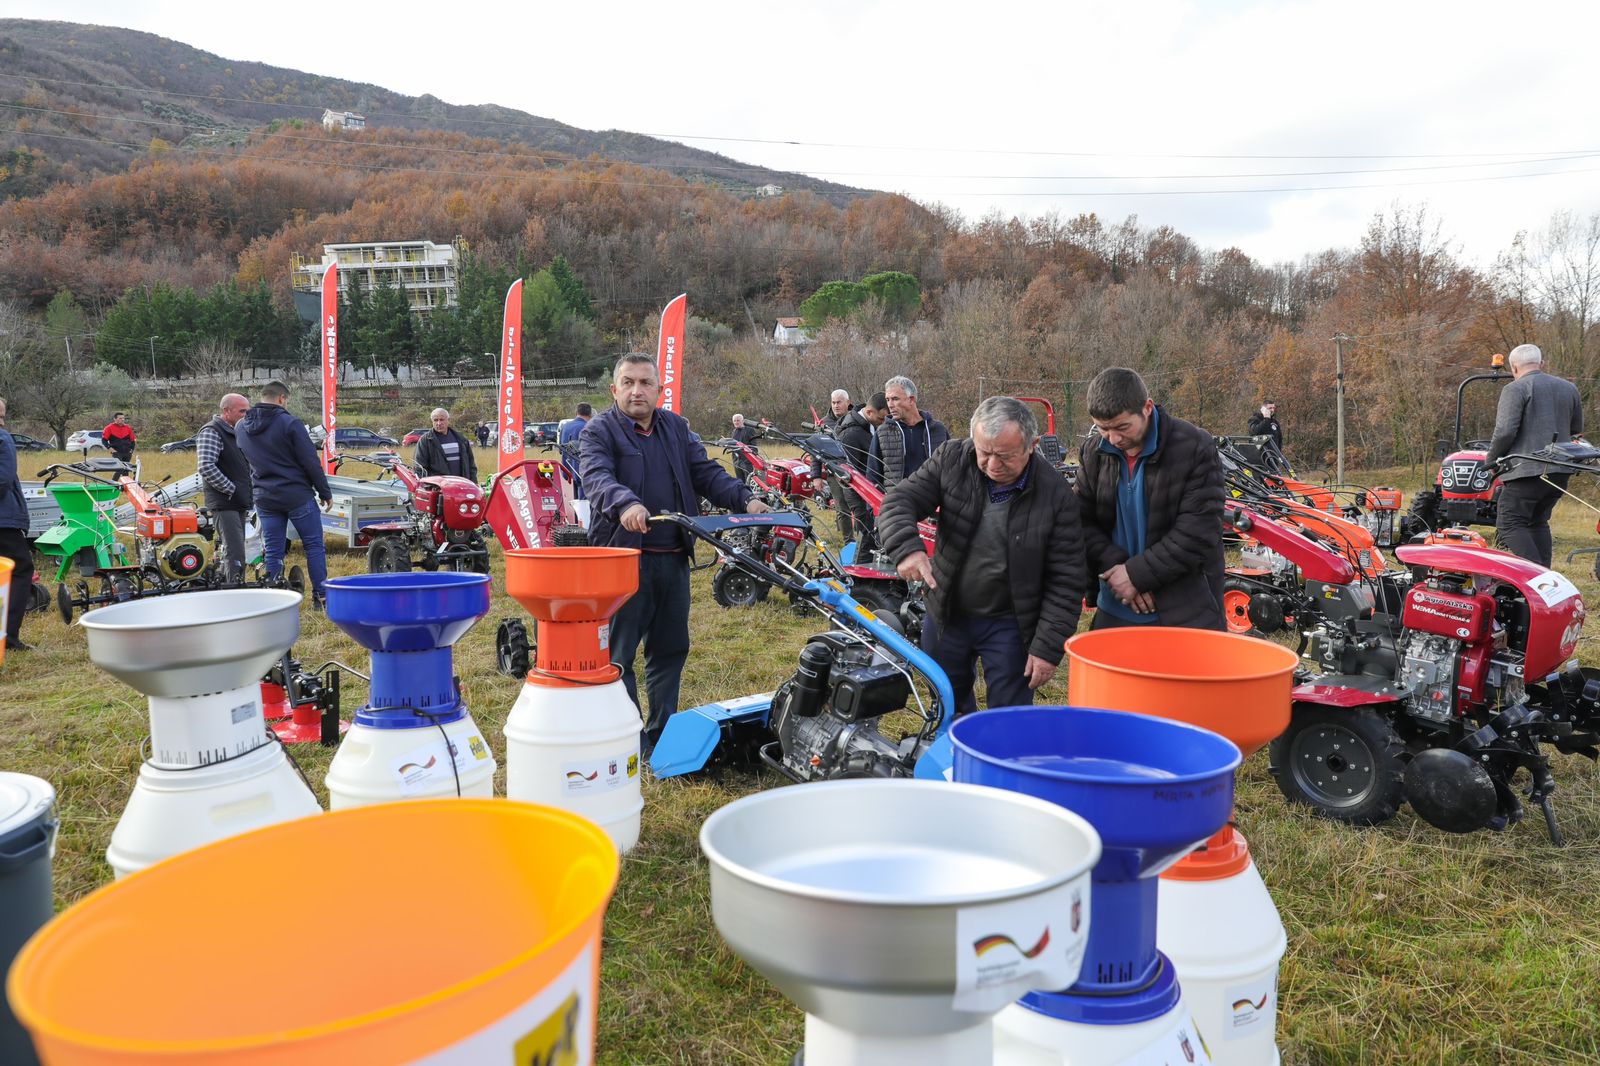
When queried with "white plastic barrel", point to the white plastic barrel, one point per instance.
{"points": [[386, 765], [577, 747], [1230, 982], [1027, 1038]]}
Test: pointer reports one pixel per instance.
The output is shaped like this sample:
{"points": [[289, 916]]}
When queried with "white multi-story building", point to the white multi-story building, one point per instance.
{"points": [[423, 270], [343, 120]]}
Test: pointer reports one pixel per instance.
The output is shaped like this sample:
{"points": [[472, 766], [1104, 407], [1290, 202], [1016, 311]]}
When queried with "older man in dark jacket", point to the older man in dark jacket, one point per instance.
{"points": [[444, 452], [1535, 410], [854, 433], [636, 461], [1150, 486], [1006, 581]]}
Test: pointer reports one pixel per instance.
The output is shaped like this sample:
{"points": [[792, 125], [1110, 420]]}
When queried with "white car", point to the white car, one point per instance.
{"points": [[84, 440]]}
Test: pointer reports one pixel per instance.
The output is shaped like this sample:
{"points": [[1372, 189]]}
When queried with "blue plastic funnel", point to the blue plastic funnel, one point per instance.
{"points": [[1152, 789], [409, 622]]}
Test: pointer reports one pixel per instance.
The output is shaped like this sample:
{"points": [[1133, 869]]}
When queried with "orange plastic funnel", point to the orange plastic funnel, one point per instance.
{"points": [[1225, 682], [573, 592], [1229, 683]]}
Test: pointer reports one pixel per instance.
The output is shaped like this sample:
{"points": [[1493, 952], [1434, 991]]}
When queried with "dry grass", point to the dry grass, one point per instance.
{"points": [[1405, 945]]}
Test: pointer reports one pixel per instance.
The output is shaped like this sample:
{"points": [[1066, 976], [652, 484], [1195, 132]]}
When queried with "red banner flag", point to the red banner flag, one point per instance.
{"points": [[330, 362], [669, 355], [510, 439]]}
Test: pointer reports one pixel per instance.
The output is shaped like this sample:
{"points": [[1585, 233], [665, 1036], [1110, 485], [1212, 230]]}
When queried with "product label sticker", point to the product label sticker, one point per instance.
{"points": [[555, 1028], [244, 712], [1553, 588], [428, 766], [601, 775], [1178, 1045], [1252, 1007], [604, 633], [1004, 950], [549, 503], [740, 703]]}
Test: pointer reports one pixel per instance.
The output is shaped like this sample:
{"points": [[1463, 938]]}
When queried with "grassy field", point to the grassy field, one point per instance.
{"points": [[1406, 945]]}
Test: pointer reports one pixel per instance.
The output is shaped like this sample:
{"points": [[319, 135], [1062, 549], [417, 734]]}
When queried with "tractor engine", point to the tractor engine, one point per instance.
{"points": [[172, 541], [826, 715]]}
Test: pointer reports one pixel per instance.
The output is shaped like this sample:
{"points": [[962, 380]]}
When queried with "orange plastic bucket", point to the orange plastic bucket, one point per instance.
{"points": [[6, 566], [1228, 683], [573, 592], [463, 932]]}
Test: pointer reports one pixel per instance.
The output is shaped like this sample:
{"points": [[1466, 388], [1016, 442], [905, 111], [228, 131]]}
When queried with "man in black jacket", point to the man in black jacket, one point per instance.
{"points": [[748, 436], [442, 452], [907, 439], [855, 436], [1264, 423], [226, 474], [288, 480], [1150, 487], [1006, 581]]}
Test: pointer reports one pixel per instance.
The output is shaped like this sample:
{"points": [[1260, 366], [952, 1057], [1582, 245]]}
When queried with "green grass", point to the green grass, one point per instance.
{"points": [[1406, 945]]}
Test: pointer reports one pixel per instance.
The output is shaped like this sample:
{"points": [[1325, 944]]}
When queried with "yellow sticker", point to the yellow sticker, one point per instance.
{"points": [[633, 766], [554, 1041]]}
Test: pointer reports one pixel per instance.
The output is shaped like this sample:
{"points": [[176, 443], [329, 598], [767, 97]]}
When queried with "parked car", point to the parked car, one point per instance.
{"points": [[414, 436], [356, 439], [185, 445], [543, 432], [84, 440], [26, 443]]}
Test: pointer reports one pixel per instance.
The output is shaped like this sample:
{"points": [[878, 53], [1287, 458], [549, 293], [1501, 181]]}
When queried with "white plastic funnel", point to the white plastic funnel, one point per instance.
{"points": [[901, 915]]}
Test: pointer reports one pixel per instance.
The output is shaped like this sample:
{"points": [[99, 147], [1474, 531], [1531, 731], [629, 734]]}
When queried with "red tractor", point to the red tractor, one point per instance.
{"points": [[1466, 489], [440, 529]]}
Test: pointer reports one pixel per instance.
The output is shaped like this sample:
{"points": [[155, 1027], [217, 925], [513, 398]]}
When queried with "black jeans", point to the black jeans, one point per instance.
{"points": [[658, 617], [230, 530], [14, 546], [1522, 517], [959, 646]]}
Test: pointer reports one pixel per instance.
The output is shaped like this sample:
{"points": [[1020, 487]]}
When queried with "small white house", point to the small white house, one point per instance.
{"points": [[790, 333], [770, 190], [343, 120]]}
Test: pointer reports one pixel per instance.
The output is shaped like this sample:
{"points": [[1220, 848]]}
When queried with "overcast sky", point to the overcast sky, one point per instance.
{"points": [[1309, 116]]}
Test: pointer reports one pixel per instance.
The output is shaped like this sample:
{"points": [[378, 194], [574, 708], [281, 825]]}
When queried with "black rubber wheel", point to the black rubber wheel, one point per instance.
{"points": [[1425, 508], [883, 603], [64, 603], [732, 587], [297, 580], [38, 597], [1237, 593], [388, 555], [1348, 764], [511, 653]]}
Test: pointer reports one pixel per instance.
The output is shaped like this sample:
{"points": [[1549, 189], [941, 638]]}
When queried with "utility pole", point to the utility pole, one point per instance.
{"points": [[1338, 377], [153, 357], [68, 339]]}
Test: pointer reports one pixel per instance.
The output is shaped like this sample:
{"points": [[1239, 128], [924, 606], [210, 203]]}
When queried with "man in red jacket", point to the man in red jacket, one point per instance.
{"points": [[118, 437]]}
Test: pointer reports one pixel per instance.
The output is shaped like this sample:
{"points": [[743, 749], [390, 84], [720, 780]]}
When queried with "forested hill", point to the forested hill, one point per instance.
{"points": [[89, 99]]}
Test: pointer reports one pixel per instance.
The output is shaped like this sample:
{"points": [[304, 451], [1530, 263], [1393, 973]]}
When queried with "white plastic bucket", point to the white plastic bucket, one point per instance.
{"points": [[577, 748], [1230, 982], [386, 765], [1027, 1038]]}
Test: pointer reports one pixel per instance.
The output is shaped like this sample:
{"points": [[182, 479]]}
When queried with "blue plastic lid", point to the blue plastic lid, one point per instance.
{"points": [[1129, 1008]]}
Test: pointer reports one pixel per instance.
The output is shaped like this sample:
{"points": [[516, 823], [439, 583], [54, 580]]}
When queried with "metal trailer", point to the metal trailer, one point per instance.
{"points": [[359, 503]]}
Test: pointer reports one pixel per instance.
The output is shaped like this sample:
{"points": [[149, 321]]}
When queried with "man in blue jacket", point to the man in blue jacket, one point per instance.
{"points": [[289, 481], [636, 461], [14, 538]]}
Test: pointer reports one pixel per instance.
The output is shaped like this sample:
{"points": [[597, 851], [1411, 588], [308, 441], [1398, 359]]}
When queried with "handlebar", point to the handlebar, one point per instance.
{"points": [[705, 527]]}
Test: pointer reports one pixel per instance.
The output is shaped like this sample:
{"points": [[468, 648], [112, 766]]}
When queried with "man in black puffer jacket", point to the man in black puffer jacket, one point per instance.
{"points": [[1150, 486], [288, 480], [1006, 580]]}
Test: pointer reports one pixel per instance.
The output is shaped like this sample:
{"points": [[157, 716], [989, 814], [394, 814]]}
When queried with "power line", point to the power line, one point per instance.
{"points": [[790, 142], [545, 156]]}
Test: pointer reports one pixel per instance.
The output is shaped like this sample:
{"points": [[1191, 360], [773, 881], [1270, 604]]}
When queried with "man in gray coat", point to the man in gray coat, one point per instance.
{"points": [[1536, 409]]}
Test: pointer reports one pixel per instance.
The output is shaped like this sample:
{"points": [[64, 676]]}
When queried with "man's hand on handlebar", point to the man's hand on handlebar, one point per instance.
{"points": [[756, 506], [917, 567], [636, 519]]}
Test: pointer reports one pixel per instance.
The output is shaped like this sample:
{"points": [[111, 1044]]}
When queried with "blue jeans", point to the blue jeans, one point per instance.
{"points": [[965, 640], [307, 519], [657, 616]]}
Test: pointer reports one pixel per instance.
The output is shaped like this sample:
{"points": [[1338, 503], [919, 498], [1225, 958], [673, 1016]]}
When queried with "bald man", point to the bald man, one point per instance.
{"points": [[226, 473]]}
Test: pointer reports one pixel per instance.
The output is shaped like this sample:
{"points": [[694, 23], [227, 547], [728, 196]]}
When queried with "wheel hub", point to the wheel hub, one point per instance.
{"points": [[1332, 765]]}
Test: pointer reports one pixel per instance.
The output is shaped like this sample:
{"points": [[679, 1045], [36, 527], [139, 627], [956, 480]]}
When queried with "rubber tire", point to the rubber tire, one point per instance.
{"points": [[1236, 596], [1425, 508], [388, 555], [732, 587], [512, 651], [886, 606], [65, 606], [38, 598], [296, 580], [1370, 736]]}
